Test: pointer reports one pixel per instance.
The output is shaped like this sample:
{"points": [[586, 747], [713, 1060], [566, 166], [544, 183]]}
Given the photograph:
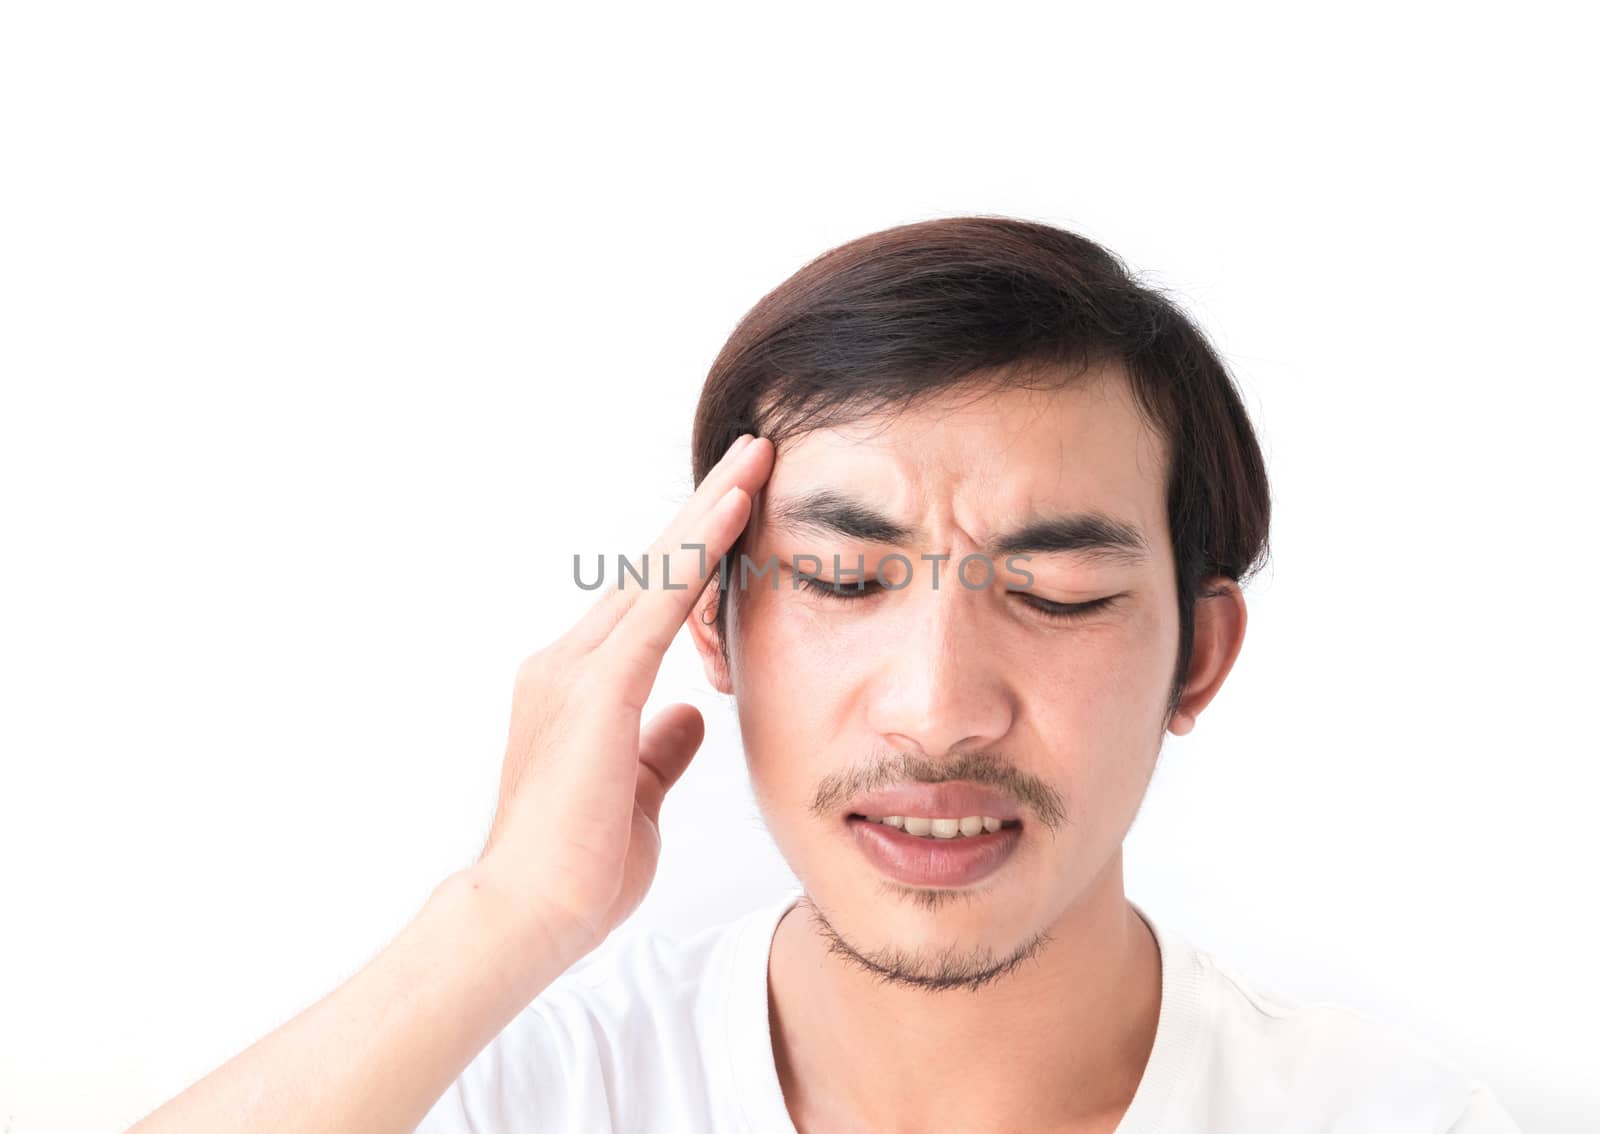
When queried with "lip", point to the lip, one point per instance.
{"points": [[915, 860], [934, 801]]}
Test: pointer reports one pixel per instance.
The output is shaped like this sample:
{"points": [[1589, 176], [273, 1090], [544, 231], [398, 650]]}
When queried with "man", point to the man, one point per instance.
{"points": [[982, 506]]}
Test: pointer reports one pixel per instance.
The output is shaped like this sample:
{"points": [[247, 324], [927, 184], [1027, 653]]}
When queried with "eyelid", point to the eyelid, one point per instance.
{"points": [[1060, 611], [839, 589], [1066, 611]]}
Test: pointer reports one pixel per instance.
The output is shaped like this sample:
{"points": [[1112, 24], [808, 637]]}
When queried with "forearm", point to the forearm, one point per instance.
{"points": [[376, 1053]]}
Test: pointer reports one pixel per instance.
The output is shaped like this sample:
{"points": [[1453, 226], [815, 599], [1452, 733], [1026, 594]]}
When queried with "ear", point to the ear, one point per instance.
{"points": [[707, 641], [1219, 623]]}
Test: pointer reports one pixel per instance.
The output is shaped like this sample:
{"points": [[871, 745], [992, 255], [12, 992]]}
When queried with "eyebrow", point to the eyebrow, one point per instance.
{"points": [[1090, 533]]}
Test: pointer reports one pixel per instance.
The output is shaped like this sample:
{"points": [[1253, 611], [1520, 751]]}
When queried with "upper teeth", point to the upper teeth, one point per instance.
{"points": [[939, 828]]}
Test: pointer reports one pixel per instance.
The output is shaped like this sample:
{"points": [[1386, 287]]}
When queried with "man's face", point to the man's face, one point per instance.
{"points": [[1063, 716]]}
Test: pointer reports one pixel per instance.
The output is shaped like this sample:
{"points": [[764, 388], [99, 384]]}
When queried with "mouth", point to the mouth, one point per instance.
{"points": [[924, 827], [935, 851]]}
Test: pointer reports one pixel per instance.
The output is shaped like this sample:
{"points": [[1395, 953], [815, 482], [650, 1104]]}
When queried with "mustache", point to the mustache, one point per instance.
{"points": [[1045, 802]]}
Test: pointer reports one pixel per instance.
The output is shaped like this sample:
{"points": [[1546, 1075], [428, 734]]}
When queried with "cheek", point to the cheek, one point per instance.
{"points": [[789, 684], [1099, 706], [785, 646], [1116, 674]]}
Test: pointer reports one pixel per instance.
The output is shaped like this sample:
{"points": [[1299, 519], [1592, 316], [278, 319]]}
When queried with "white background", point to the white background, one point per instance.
{"points": [[329, 332]]}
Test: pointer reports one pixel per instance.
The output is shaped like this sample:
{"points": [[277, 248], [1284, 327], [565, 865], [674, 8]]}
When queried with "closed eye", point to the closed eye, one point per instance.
{"points": [[847, 590], [1065, 610], [853, 591]]}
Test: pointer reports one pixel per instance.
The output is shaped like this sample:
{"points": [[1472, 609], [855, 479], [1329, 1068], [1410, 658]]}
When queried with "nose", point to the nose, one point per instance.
{"points": [[940, 685]]}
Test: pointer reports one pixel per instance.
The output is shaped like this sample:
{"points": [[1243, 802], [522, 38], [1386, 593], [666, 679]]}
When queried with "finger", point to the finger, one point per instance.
{"points": [[631, 655], [603, 615], [666, 745], [677, 553]]}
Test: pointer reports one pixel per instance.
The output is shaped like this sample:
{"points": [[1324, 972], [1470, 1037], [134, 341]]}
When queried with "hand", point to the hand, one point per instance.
{"points": [[575, 838]]}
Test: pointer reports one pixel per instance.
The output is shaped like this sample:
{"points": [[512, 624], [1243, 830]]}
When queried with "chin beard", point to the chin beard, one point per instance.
{"points": [[929, 971]]}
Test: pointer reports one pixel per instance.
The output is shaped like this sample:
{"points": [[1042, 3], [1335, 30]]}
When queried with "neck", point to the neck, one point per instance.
{"points": [[1058, 1041]]}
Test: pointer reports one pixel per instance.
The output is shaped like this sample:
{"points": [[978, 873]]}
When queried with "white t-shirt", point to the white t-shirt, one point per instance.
{"points": [[659, 1034]]}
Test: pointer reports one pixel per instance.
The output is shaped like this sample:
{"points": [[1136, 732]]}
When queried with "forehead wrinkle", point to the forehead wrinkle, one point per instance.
{"points": [[939, 490], [826, 511], [1089, 533]]}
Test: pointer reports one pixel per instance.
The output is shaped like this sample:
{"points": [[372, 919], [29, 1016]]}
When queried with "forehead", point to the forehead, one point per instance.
{"points": [[982, 459]]}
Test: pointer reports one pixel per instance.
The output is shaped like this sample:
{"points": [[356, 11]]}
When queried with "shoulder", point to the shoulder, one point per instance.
{"points": [[1294, 1061], [646, 1011]]}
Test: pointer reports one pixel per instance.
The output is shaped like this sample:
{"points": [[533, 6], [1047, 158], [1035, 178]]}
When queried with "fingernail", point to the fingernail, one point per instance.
{"points": [[744, 439]]}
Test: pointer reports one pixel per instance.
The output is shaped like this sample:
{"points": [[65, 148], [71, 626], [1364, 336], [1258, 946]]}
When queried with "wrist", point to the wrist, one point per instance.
{"points": [[550, 942]]}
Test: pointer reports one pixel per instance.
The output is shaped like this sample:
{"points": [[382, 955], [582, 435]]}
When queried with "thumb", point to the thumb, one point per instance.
{"points": [[666, 745]]}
